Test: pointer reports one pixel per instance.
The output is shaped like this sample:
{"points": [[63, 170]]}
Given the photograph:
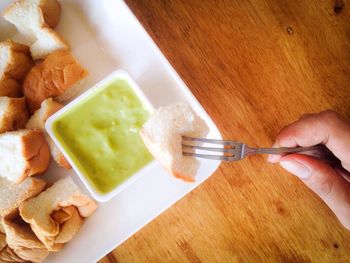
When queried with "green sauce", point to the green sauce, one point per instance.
{"points": [[101, 135]]}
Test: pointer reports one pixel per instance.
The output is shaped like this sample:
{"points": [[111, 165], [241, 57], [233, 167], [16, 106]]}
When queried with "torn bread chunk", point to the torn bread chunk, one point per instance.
{"points": [[13, 114], [34, 20], [12, 194], [23, 153], [21, 239], [162, 135], [15, 63], [37, 211], [37, 121], [51, 78], [48, 41], [15, 60]]}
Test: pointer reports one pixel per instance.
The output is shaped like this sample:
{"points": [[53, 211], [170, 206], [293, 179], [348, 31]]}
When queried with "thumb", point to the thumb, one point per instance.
{"points": [[326, 182]]}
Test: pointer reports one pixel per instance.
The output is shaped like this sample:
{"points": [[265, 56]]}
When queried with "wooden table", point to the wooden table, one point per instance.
{"points": [[255, 66]]}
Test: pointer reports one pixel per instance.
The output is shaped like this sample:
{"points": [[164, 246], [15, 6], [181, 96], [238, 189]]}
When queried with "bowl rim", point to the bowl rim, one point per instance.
{"points": [[117, 74]]}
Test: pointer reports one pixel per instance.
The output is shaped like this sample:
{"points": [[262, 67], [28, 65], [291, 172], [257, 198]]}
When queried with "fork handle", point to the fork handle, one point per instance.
{"points": [[319, 151]]}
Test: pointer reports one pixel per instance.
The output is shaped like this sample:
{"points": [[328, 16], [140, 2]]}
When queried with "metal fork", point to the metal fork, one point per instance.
{"points": [[235, 151]]}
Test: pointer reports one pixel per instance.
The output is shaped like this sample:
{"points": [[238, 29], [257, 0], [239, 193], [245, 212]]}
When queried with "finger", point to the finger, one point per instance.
{"points": [[274, 158], [326, 127], [321, 178]]}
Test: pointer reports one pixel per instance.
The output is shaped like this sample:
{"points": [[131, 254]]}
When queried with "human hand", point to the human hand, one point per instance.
{"points": [[331, 184]]}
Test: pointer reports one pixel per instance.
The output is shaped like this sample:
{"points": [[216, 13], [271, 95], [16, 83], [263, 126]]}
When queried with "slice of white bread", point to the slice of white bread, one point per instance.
{"points": [[21, 239], [162, 135], [37, 211], [8, 255], [12, 194], [15, 63], [37, 121], [35, 255], [34, 19], [23, 153], [51, 78], [13, 114]]}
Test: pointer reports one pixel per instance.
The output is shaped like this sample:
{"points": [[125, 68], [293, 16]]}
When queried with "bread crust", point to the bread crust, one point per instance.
{"points": [[19, 60], [184, 177], [36, 152], [62, 161], [10, 88], [3, 243], [51, 12], [37, 121], [14, 69], [57, 73], [15, 116], [84, 204]]}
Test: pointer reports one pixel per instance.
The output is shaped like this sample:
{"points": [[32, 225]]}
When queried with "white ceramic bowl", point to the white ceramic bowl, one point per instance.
{"points": [[116, 75]]}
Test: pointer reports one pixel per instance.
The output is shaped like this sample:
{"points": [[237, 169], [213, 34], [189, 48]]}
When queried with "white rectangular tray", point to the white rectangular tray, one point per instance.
{"points": [[104, 36]]}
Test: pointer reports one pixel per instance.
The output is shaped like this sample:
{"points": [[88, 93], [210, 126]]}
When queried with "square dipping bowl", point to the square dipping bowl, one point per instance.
{"points": [[98, 133]]}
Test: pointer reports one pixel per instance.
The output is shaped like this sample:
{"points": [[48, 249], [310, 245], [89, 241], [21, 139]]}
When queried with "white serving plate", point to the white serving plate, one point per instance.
{"points": [[104, 36]]}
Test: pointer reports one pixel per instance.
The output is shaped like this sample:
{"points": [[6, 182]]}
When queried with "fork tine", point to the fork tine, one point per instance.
{"points": [[223, 142], [209, 156], [211, 149]]}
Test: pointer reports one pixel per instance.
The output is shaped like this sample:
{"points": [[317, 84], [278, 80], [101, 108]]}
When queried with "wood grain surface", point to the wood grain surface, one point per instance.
{"points": [[255, 66]]}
